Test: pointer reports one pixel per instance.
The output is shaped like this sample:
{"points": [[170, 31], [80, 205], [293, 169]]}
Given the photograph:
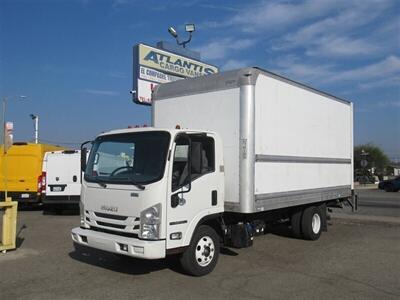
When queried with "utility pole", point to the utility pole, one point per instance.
{"points": [[36, 119]]}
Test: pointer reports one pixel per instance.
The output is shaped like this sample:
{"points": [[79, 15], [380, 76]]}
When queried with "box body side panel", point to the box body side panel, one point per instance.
{"points": [[216, 111], [303, 140]]}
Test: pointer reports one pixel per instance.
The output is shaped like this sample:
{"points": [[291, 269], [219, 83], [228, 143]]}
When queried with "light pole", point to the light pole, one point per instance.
{"points": [[36, 119], [190, 28], [5, 99]]}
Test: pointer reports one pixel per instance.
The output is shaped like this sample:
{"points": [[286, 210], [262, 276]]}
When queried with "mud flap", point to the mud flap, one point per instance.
{"points": [[322, 208]]}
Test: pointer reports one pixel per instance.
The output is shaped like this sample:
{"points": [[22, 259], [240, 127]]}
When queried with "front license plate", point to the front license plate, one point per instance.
{"points": [[24, 195]]}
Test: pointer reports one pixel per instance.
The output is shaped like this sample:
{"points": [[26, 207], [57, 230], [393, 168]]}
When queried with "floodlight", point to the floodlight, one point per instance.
{"points": [[189, 28], [173, 32]]}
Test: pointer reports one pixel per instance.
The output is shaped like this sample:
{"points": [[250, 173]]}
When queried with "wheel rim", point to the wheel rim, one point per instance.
{"points": [[316, 223], [205, 250]]}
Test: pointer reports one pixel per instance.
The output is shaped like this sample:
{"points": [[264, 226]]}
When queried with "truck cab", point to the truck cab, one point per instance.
{"points": [[145, 191]]}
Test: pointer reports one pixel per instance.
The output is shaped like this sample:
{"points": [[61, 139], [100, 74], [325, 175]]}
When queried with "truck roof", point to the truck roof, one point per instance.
{"points": [[226, 80], [141, 129]]}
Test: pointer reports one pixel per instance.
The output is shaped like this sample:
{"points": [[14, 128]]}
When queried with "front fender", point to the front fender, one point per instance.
{"points": [[196, 221]]}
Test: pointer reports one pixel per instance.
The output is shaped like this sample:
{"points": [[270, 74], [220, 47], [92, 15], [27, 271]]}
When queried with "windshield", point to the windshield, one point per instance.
{"points": [[128, 158]]}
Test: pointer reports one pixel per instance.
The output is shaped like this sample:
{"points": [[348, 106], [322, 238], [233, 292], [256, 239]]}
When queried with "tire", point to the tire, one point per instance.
{"points": [[388, 188], [295, 222], [311, 223], [201, 257]]}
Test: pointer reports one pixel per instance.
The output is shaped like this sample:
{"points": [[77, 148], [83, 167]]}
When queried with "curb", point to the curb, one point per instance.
{"points": [[366, 187]]}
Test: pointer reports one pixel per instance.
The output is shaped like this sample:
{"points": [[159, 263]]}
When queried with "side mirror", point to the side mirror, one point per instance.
{"points": [[83, 159], [84, 152], [177, 199]]}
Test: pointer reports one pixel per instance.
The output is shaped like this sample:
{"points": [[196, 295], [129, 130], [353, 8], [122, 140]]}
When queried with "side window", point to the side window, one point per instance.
{"points": [[202, 159], [180, 170], [208, 155], [202, 156]]}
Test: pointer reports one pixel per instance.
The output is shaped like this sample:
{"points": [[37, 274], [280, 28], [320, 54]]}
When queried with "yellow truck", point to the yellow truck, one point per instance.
{"points": [[22, 166]]}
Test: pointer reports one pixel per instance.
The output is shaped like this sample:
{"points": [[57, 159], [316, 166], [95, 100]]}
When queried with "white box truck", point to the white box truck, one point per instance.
{"points": [[61, 179], [227, 155]]}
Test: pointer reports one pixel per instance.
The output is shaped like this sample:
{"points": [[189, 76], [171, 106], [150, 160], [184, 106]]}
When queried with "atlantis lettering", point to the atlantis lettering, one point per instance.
{"points": [[178, 65]]}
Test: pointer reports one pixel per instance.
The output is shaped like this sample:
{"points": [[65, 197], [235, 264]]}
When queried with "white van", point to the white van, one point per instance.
{"points": [[61, 179]]}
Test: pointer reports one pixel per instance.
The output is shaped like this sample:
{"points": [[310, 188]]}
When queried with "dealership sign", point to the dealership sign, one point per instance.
{"points": [[152, 66]]}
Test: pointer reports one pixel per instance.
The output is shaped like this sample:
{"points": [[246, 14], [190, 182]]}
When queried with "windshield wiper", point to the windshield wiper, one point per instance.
{"points": [[103, 182], [99, 182], [138, 185]]}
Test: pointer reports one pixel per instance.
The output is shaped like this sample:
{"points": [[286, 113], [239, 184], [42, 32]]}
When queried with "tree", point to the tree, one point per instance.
{"points": [[373, 155]]}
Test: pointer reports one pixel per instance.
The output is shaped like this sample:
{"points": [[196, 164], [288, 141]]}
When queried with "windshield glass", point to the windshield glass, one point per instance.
{"points": [[128, 158]]}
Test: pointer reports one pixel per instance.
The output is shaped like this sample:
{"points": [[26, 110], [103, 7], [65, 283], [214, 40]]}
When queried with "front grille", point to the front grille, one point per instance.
{"points": [[108, 216], [126, 234], [114, 223], [110, 225]]}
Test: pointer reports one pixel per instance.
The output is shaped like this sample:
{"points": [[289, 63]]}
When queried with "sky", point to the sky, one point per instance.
{"points": [[73, 58]]}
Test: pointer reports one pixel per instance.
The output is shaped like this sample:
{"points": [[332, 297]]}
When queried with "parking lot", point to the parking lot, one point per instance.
{"points": [[356, 258]]}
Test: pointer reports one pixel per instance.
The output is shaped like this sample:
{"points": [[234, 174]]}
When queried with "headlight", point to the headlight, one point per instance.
{"points": [[150, 220]]}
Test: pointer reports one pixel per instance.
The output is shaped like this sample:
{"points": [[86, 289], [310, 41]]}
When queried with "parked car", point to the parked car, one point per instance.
{"points": [[61, 179], [391, 185]]}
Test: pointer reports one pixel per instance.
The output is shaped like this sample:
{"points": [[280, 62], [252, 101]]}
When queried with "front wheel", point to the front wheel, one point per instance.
{"points": [[201, 257]]}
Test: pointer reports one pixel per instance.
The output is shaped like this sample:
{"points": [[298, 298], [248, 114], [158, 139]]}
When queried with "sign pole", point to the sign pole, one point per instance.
{"points": [[4, 149]]}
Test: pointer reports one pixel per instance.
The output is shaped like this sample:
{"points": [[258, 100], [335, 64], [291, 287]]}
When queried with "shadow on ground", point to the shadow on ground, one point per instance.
{"points": [[130, 265], [61, 210], [20, 240], [122, 263], [283, 230]]}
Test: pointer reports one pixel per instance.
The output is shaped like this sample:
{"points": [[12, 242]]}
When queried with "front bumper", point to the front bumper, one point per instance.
{"points": [[116, 244]]}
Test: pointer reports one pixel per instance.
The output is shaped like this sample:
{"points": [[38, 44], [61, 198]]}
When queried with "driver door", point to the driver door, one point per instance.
{"points": [[190, 192]]}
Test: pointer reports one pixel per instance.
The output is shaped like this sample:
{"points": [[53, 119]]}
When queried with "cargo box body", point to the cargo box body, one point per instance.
{"points": [[285, 144]]}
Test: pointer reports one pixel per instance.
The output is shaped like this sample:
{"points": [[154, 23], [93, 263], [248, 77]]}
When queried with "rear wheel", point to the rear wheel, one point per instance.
{"points": [[201, 257], [311, 223]]}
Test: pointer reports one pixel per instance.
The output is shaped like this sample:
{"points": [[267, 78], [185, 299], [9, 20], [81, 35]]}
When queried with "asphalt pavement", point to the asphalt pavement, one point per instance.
{"points": [[355, 259], [374, 205], [378, 203]]}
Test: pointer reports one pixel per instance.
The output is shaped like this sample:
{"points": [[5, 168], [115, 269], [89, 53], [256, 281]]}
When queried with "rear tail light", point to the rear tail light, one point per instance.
{"points": [[42, 183]]}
